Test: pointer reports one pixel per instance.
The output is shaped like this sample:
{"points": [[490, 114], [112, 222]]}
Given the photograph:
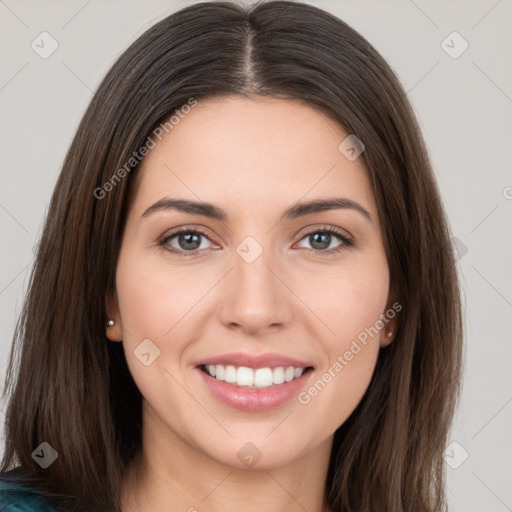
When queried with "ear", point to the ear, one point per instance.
{"points": [[113, 332], [387, 335], [391, 319]]}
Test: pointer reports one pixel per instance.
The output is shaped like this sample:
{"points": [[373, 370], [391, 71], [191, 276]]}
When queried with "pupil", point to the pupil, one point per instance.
{"points": [[187, 243], [323, 244]]}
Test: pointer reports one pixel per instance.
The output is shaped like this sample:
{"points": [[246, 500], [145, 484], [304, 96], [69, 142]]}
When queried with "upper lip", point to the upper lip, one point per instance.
{"points": [[254, 361]]}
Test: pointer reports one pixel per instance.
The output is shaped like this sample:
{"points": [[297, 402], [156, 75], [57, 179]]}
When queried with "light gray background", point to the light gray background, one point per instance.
{"points": [[464, 106]]}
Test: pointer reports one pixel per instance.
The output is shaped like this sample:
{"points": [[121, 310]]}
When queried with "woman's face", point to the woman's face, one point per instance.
{"points": [[262, 294]]}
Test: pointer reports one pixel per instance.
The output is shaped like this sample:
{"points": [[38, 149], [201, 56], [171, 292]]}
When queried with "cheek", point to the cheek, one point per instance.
{"points": [[348, 300], [337, 389], [153, 298], [352, 309], [159, 303], [153, 304]]}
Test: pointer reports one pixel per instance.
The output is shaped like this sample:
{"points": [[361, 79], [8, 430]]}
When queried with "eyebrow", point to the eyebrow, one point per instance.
{"points": [[296, 211]]}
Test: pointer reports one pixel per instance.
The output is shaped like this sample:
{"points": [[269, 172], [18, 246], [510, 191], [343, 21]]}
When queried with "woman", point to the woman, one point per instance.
{"points": [[244, 292]]}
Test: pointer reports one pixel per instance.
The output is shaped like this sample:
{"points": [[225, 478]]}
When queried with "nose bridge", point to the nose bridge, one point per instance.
{"points": [[254, 281], [252, 268], [256, 298]]}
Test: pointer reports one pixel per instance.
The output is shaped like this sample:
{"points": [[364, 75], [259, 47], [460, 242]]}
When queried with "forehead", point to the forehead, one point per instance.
{"points": [[261, 154]]}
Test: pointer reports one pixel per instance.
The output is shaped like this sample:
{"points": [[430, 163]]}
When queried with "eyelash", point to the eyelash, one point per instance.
{"points": [[347, 241]]}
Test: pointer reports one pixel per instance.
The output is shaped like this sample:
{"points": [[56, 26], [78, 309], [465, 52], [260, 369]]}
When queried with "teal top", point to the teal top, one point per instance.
{"points": [[16, 497]]}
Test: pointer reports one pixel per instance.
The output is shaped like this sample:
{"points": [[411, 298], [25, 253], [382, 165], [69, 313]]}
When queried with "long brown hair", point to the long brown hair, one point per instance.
{"points": [[68, 386]]}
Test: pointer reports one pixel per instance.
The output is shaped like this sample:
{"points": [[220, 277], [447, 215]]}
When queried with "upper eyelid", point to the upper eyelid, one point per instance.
{"points": [[201, 230], [326, 227], [174, 232]]}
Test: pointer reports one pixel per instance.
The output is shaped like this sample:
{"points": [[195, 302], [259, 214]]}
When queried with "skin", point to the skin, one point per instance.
{"points": [[254, 159]]}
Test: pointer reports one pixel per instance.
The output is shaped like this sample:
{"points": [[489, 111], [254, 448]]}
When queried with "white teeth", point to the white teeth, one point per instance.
{"points": [[219, 372], [245, 376], [263, 377], [230, 375], [279, 375], [248, 377], [289, 374]]}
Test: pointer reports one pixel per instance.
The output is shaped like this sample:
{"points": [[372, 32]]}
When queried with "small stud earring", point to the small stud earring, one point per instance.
{"points": [[390, 333], [110, 323]]}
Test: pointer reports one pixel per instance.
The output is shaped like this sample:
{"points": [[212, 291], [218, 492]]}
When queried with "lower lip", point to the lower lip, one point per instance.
{"points": [[254, 399]]}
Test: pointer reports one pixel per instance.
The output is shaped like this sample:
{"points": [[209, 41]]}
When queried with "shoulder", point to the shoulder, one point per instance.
{"points": [[17, 497]]}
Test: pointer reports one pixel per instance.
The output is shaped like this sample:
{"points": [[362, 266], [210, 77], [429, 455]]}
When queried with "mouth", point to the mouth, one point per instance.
{"points": [[254, 383], [254, 378]]}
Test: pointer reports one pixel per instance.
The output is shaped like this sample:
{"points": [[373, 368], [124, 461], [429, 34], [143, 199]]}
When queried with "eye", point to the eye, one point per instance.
{"points": [[187, 241], [321, 239]]}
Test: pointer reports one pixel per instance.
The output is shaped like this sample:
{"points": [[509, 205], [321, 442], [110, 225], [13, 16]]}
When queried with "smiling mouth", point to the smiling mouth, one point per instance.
{"points": [[265, 377]]}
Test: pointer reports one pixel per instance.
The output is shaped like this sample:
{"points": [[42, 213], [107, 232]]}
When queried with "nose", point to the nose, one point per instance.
{"points": [[255, 295]]}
